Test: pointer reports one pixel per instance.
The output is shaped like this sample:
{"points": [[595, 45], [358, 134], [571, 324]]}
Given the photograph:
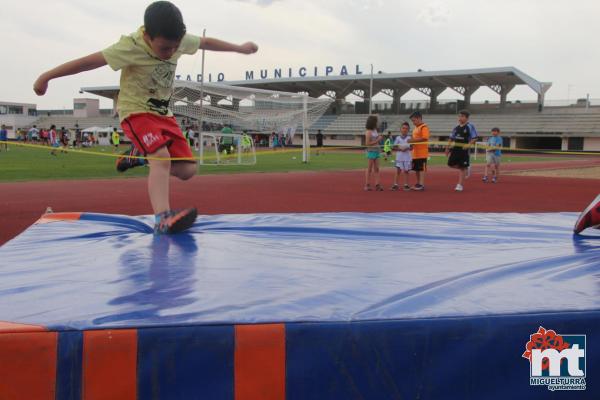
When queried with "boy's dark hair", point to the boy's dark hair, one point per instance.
{"points": [[496, 130], [405, 124], [416, 114], [371, 122], [466, 113], [163, 18]]}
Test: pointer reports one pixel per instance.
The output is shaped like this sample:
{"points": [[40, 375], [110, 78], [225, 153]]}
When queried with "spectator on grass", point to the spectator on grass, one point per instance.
{"points": [[189, 135], [44, 137], [387, 146], [53, 139], [319, 141], [282, 140], [32, 134], [64, 139], [116, 140], [3, 137]]}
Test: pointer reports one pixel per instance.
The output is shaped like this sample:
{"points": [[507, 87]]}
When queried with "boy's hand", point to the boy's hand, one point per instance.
{"points": [[248, 48], [40, 86]]}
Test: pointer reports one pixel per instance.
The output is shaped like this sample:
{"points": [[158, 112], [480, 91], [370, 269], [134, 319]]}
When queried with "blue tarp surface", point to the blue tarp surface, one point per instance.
{"points": [[108, 271]]}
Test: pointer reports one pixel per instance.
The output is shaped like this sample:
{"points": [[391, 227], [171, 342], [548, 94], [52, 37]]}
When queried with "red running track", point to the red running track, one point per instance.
{"points": [[23, 203]]}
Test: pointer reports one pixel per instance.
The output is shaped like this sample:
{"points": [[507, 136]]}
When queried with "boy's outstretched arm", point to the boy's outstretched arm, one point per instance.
{"points": [[220, 45], [86, 63]]}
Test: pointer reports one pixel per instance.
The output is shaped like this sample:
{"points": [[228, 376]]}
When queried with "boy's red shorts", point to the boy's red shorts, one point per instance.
{"points": [[149, 132]]}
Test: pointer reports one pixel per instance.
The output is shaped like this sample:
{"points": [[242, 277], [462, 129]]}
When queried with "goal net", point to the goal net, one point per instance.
{"points": [[216, 148], [215, 108]]}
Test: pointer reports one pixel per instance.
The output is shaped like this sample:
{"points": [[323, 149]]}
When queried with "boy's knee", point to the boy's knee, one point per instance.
{"points": [[185, 171]]}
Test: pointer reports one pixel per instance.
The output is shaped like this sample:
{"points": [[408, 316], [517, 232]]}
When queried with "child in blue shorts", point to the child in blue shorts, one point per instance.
{"points": [[372, 141]]}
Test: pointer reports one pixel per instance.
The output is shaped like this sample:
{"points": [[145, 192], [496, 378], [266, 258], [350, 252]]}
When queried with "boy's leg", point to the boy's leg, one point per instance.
{"points": [[421, 178], [151, 135], [461, 175], [368, 172], [158, 181]]}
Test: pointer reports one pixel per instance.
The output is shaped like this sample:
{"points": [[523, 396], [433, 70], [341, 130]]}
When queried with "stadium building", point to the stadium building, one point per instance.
{"points": [[524, 125]]}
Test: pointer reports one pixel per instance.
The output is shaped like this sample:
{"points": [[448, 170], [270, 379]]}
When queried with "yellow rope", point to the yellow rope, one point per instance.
{"points": [[296, 150]]}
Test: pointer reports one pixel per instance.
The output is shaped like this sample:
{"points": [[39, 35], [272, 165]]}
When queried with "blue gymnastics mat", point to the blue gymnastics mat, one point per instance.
{"points": [[374, 306]]}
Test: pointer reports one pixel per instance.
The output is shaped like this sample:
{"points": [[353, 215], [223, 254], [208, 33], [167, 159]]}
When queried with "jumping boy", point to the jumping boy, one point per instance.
{"points": [[148, 60], [463, 136], [403, 157], [493, 154]]}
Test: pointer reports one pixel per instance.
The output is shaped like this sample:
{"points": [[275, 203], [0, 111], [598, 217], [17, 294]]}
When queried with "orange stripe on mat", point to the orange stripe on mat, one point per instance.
{"points": [[61, 216], [260, 362], [110, 364], [13, 327], [28, 365]]}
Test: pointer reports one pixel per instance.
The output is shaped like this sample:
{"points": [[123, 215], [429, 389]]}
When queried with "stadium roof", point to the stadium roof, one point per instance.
{"points": [[462, 81], [465, 82]]}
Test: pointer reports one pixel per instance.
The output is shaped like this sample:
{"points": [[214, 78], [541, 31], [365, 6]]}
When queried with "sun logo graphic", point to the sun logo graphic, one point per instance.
{"points": [[149, 139], [556, 361]]}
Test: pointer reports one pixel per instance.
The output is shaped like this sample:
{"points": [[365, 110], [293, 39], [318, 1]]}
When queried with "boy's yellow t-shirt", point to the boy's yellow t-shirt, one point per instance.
{"points": [[146, 80], [116, 138]]}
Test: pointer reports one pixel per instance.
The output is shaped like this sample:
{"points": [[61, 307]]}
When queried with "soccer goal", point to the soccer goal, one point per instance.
{"points": [[217, 148], [234, 120]]}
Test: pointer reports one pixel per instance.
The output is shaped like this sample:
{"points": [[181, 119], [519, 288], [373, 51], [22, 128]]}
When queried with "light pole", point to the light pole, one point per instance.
{"points": [[371, 92]]}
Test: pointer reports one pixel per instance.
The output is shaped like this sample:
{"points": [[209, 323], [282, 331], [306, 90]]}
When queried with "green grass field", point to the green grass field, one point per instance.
{"points": [[33, 164]]}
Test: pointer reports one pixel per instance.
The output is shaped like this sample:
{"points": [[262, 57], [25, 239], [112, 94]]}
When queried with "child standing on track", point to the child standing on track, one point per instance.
{"points": [[493, 154], [148, 59], [462, 137], [372, 141], [403, 156], [420, 149]]}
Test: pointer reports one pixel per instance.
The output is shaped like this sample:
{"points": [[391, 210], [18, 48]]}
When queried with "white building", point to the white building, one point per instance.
{"points": [[17, 115]]}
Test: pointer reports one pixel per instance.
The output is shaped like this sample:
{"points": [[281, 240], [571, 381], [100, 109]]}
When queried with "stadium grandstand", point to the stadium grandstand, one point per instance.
{"points": [[536, 125]]}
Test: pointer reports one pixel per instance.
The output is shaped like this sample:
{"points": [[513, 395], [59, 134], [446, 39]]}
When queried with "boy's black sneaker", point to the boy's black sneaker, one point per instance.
{"points": [[590, 217], [175, 221], [128, 160]]}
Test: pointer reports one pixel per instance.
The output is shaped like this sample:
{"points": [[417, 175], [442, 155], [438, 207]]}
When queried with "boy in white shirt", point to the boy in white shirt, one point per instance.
{"points": [[403, 156]]}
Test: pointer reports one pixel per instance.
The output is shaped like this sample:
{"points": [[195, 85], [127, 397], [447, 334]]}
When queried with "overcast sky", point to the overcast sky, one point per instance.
{"points": [[551, 40]]}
